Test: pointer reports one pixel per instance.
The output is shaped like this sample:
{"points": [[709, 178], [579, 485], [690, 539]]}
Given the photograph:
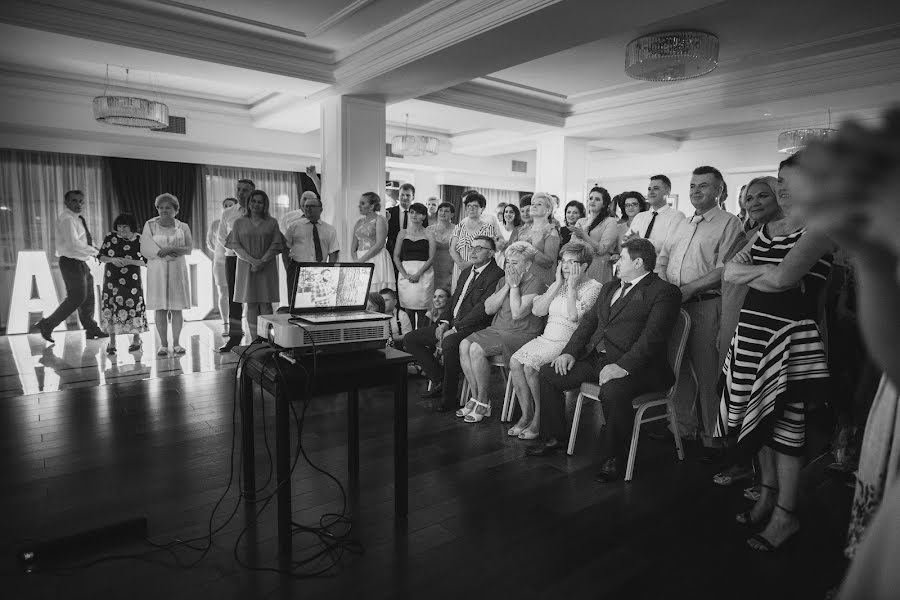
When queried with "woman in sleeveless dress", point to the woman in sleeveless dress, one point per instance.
{"points": [[776, 363], [543, 236], [442, 231], [509, 230], [565, 301], [600, 231], [466, 231], [413, 256], [164, 243], [369, 237]]}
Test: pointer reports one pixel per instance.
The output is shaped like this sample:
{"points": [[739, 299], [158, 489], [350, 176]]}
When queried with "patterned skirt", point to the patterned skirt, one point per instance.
{"points": [[773, 368]]}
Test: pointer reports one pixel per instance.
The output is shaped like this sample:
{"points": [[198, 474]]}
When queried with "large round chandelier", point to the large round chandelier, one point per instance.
{"points": [[671, 55], [129, 111], [793, 140], [414, 145]]}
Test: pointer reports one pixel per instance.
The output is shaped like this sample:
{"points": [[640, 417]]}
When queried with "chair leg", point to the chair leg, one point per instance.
{"points": [[575, 419], [464, 393], [670, 408], [506, 413], [429, 385], [635, 435]]}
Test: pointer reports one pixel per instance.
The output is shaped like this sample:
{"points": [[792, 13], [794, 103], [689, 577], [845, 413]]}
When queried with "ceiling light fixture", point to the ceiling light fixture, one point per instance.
{"points": [[130, 111], [414, 145], [671, 55], [794, 140]]}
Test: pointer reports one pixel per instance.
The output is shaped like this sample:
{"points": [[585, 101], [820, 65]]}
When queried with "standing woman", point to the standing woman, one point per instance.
{"points": [[509, 231], [543, 236], [442, 230], [122, 301], [413, 256], [630, 204], [574, 211], [164, 243], [256, 239], [599, 230], [466, 231], [369, 237], [219, 275]]}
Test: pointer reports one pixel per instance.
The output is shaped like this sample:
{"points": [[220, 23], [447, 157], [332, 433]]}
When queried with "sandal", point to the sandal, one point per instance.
{"points": [[752, 493], [477, 417], [135, 347], [732, 475], [466, 410], [110, 350], [515, 431], [528, 434], [178, 350], [744, 517], [162, 352], [768, 546]]}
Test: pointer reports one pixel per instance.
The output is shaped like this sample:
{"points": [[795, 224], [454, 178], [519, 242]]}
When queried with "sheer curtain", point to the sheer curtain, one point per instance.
{"points": [[495, 197], [32, 185], [280, 186]]}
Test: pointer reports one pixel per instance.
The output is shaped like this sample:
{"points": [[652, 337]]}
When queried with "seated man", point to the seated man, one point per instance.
{"points": [[621, 344], [467, 316], [513, 325]]}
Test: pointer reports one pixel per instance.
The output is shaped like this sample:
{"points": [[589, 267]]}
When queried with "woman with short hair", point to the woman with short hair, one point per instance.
{"points": [[442, 230], [413, 257], [543, 236], [122, 300], [165, 243], [466, 231]]}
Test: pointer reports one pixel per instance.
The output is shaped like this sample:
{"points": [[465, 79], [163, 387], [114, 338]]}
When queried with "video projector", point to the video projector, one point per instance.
{"points": [[324, 338]]}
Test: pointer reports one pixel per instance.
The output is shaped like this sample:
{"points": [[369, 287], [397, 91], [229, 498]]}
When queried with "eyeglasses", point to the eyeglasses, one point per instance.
{"points": [[632, 205], [482, 248]]}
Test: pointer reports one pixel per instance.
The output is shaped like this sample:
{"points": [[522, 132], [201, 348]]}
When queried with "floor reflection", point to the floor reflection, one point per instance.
{"points": [[29, 365]]}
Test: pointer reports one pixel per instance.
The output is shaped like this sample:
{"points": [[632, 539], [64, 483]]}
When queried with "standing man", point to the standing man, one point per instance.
{"points": [[694, 259], [310, 239], [660, 222], [398, 216], [74, 246], [242, 191]]}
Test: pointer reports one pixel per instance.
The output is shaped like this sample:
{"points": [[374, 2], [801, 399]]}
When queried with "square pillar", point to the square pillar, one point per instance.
{"points": [[353, 145], [562, 166]]}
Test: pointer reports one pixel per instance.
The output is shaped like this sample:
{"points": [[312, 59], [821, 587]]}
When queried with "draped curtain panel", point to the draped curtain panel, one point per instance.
{"points": [[137, 183]]}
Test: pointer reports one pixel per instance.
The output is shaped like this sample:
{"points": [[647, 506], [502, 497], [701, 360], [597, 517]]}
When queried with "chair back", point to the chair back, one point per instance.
{"points": [[678, 343]]}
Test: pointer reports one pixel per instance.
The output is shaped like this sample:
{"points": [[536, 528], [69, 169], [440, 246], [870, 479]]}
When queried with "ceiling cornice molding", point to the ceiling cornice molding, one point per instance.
{"points": [[341, 15], [424, 31], [506, 103], [225, 17], [164, 29]]}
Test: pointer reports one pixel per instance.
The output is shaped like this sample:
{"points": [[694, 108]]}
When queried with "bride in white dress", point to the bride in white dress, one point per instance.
{"points": [[570, 296]]}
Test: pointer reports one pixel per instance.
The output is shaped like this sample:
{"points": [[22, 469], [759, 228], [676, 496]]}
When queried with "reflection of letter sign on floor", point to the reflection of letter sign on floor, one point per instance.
{"points": [[34, 291]]}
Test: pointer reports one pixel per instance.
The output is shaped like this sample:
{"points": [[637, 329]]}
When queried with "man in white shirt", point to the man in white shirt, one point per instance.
{"points": [[310, 239], [661, 221], [74, 247], [299, 214], [242, 191]]}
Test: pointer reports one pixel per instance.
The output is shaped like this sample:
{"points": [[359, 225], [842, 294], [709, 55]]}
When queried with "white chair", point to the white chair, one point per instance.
{"points": [[494, 361], [644, 402]]}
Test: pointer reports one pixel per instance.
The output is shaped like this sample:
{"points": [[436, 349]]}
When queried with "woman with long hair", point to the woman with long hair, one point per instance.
{"points": [[413, 257], [368, 245], [573, 213], [599, 231]]}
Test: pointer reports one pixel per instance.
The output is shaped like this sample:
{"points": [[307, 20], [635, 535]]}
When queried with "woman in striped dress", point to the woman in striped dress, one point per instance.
{"points": [[465, 232], [776, 363]]}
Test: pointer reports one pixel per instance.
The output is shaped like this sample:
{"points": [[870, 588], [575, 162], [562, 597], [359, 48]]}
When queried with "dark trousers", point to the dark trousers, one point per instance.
{"points": [[421, 343], [615, 396], [235, 309], [79, 295]]}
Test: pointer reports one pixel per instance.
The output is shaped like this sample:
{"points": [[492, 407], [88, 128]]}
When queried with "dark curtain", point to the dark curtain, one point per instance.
{"points": [[136, 183], [454, 194], [305, 184]]}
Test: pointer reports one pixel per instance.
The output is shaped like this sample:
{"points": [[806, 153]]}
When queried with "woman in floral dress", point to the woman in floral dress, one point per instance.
{"points": [[122, 303]]}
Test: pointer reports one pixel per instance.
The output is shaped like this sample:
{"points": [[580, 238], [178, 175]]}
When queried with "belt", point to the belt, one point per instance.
{"points": [[703, 297]]}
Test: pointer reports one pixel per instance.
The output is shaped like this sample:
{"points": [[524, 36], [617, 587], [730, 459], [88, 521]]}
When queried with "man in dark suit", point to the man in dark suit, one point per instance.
{"points": [[398, 216], [620, 343], [467, 315]]}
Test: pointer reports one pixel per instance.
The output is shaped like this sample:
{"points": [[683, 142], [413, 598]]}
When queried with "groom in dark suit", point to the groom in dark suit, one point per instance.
{"points": [[398, 216], [467, 315], [620, 343]]}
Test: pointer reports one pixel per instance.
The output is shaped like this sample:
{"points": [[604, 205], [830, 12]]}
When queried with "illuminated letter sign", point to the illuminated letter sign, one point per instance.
{"points": [[31, 264]]}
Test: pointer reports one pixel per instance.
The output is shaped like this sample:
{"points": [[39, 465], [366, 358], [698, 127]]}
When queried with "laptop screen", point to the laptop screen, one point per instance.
{"points": [[331, 286]]}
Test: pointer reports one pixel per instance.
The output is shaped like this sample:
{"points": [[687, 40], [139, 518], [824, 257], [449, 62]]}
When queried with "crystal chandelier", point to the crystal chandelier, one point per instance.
{"points": [[130, 111], [414, 145], [794, 140], [671, 55]]}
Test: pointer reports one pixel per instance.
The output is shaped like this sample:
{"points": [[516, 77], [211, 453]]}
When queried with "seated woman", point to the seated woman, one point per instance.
{"points": [[440, 306], [566, 301], [513, 325]]}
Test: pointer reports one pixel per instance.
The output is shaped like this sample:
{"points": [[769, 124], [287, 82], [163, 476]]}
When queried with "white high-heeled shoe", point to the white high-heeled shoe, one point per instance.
{"points": [[468, 408], [514, 431], [474, 417]]}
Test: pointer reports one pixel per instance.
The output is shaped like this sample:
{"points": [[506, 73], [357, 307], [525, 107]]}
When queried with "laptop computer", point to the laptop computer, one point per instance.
{"points": [[332, 293]]}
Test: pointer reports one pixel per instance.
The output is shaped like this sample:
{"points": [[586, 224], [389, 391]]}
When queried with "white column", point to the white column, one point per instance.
{"points": [[353, 142], [561, 168]]}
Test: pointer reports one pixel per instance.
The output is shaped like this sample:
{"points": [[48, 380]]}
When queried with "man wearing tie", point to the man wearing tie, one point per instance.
{"points": [[476, 283], [660, 222], [621, 344], [310, 239], [74, 246], [398, 216]]}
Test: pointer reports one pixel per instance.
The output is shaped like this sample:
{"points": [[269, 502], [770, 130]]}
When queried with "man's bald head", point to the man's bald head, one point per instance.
{"points": [[307, 196]]}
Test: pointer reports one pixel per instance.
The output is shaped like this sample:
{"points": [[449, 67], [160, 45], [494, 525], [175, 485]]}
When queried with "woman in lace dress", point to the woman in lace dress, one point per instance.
{"points": [[369, 236], [543, 236], [571, 295], [442, 230], [466, 231]]}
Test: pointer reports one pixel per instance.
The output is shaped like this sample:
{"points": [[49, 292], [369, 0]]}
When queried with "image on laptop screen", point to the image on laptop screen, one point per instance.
{"points": [[331, 286]]}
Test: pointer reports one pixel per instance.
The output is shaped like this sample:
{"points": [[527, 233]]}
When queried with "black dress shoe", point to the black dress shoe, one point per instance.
{"points": [[229, 345], [44, 329], [609, 471], [96, 335], [544, 448], [436, 392]]}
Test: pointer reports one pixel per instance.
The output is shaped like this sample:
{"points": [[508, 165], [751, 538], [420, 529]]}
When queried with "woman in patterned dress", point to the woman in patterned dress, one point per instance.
{"points": [[570, 296], [442, 230], [600, 231], [466, 231], [369, 237], [776, 363], [122, 303], [542, 234]]}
